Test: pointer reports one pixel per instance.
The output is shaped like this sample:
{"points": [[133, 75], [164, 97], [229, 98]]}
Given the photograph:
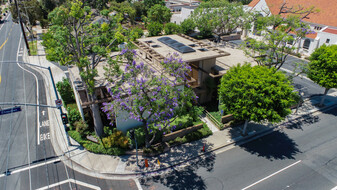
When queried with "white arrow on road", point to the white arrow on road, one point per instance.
{"points": [[43, 112]]}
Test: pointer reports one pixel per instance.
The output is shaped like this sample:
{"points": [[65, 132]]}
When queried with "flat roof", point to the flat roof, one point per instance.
{"points": [[202, 51]]}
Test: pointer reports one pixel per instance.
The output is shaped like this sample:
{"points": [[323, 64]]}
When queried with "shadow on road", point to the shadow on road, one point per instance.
{"points": [[276, 146], [182, 179], [302, 121]]}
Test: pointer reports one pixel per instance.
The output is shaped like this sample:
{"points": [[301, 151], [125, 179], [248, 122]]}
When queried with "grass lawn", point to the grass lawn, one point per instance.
{"points": [[72, 106], [33, 47]]}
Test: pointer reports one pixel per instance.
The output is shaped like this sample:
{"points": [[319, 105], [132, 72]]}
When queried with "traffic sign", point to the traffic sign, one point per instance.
{"points": [[58, 103], [10, 110]]}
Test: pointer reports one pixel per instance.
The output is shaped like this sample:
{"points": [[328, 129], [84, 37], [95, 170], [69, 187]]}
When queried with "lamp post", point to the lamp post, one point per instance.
{"points": [[133, 136]]}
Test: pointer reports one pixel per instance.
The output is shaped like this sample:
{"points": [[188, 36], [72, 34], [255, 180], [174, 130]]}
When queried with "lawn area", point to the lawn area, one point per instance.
{"points": [[33, 47]]}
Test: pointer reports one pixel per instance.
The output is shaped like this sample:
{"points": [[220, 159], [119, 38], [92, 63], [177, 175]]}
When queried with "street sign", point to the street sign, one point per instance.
{"points": [[10, 110], [58, 103]]}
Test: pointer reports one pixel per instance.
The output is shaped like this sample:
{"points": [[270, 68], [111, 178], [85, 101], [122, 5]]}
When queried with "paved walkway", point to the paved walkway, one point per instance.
{"points": [[111, 167]]}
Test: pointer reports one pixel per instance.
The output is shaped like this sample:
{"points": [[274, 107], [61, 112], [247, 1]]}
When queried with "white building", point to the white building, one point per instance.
{"points": [[323, 23]]}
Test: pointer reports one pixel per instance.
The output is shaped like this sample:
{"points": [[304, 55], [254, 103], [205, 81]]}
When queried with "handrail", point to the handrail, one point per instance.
{"points": [[212, 119]]}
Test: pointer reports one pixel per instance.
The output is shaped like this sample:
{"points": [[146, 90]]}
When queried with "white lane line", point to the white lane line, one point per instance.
{"points": [[32, 166], [71, 181], [271, 175], [335, 188], [138, 184], [37, 99], [289, 71], [26, 115]]}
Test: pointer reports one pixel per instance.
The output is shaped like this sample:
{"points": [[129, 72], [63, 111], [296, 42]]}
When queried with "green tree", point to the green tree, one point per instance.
{"points": [[256, 94], [159, 13], [171, 28], [30, 11], [322, 68], [140, 10], [154, 28], [73, 40], [149, 3], [187, 26], [277, 44], [224, 17]]}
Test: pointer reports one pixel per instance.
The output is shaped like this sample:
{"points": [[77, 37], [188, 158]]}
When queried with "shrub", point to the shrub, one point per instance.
{"points": [[136, 33], [115, 139], [66, 91], [73, 115], [94, 147], [171, 28], [81, 127], [154, 28]]}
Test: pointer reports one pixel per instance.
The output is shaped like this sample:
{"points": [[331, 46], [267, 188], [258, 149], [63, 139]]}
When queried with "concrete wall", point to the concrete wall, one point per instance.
{"points": [[184, 14], [323, 36], [181, 133]]}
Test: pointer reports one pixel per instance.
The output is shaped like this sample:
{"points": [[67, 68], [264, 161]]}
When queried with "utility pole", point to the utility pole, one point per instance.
{"points": [[22, 29]]}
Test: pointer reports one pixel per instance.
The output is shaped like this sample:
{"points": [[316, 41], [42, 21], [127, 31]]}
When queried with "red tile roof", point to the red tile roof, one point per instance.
{"points": [[330, 30], [253, 3], [312, 36], [326, 15]]}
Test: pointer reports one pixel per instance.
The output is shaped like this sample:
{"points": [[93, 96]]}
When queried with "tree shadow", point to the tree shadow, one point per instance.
{"points": [[302, 121], [275, 146], [185, 178]]}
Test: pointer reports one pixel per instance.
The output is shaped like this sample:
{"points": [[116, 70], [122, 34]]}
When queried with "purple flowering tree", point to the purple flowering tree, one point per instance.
{"points": [[153, 97]]}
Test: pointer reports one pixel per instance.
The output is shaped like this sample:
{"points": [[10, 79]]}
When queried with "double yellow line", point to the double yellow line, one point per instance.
{"points": [[5, 43], [7, 38]]}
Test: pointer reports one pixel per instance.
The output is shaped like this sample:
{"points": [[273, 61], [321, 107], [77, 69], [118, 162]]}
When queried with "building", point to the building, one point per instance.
{"points": [[152, 51], [323, 23], [200, 56]]}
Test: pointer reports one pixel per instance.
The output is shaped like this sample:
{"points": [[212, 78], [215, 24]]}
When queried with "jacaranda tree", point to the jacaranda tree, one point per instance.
{"points": [[153, 97]]}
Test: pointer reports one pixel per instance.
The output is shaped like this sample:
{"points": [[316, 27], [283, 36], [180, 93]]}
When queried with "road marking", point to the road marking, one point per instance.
{"points": [[32, 166], [9, 33], [44, 136], [271, 175], [71, 181], [138, 184], [37, 94], [335, 188], [0, 79], [43, 112]]}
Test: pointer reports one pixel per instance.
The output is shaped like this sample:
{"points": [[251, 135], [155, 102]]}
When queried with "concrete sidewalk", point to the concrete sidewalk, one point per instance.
{"points": [[113, 167]]}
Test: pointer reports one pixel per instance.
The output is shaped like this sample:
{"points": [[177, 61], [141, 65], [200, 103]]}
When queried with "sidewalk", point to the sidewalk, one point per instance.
{"points": [[113, 167]]}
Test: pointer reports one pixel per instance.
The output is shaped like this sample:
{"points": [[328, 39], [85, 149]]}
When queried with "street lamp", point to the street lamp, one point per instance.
{"points": [[133, 136]]}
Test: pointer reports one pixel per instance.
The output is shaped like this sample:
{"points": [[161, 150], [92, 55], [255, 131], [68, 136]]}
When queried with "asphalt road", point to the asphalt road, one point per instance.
{"points": [[305, 85], [27, 155], [302, 157]]}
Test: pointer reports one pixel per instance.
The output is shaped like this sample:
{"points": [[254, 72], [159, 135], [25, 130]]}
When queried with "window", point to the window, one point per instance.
{"points": [[327, 40], [306, 44]]}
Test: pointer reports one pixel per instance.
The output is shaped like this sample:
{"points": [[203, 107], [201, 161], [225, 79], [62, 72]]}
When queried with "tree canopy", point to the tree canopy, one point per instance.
{"points": [[322, 68], [223, 17], [277, 41], [159, 13], [153, 97], [73, 38], [256, 93]]}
